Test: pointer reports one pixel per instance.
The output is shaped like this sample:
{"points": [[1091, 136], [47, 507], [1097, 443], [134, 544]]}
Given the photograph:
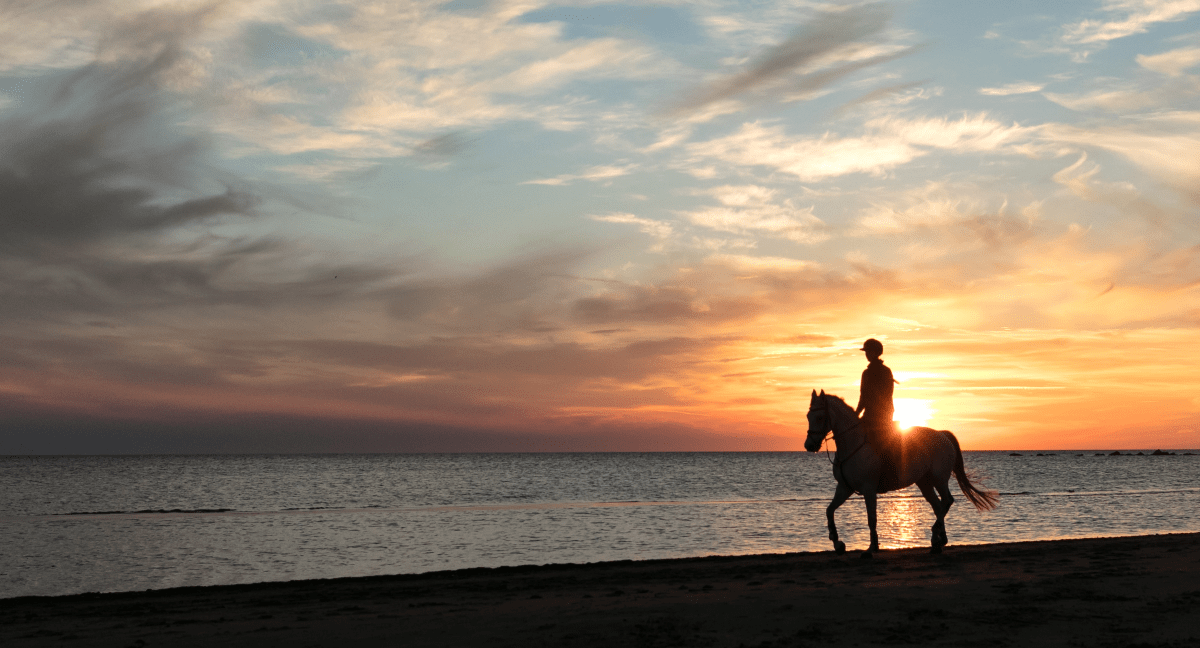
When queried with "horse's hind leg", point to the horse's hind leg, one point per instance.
{"points": [[871, 519], [940, 506], [943, 489], [840, 496]]}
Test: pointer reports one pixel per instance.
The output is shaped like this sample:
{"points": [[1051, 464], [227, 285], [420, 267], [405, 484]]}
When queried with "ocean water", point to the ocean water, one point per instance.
{"points": [[123, 523]]}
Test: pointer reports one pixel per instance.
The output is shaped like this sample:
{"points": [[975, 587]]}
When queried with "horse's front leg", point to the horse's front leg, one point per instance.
{"points": [[869, 498], [840, 496]]}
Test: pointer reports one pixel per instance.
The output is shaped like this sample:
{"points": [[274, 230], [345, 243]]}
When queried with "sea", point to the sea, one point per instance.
{"points": [[73, 524]]}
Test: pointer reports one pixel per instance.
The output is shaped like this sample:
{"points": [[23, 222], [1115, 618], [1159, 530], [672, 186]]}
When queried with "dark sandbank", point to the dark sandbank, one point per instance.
{"points": [[1142, 591]]}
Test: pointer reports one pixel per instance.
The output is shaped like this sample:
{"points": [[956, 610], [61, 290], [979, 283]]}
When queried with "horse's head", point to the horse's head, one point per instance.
{"points": [[819, 422]]}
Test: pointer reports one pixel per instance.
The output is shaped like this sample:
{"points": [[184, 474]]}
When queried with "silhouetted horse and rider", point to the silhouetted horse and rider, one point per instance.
{"points": [[873, 457]]}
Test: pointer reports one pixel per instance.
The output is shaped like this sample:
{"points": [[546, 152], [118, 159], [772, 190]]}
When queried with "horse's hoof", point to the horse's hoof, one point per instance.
{"points": [[839, 547], [935, 549], [867, 554]]}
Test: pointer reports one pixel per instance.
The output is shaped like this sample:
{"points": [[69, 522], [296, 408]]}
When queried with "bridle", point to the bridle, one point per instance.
{"points": [[831, 432]]}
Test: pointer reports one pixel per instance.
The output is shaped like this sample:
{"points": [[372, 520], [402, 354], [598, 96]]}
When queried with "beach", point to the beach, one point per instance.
{"points": [[1141, 591]]}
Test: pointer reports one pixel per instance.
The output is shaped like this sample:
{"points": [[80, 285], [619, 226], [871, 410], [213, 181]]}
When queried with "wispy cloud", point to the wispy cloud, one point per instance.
{"points": [[1018, 87], [942, 219], [594, 174], [1135, 17], [898, 94], [831, 39], [746, 263], [1163, 145], [753, 209], [657, 229], [887, 143], [1171, 63]]}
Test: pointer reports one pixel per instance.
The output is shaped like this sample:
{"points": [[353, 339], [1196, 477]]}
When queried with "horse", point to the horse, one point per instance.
{"points": [[927, 458]]}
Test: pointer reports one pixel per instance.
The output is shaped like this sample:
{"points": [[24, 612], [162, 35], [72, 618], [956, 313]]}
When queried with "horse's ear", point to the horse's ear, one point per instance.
{"points": [[814, 398], [822, 393]]}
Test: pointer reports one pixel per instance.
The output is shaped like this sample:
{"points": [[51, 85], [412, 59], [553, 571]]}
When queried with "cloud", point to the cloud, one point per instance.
{"points": [[887, 143], [829, 38], [148, 289], [112, 208], [1164, 145], [594, 174], [746, 263], [657, 229], [1137, 17], [1018, 87], [941, 213], [1172, 63], [894, 93], [396, 73], [1132, 97], [363, 80], [522, 294], [90, 163], [930, 213], [600, 58], [809, 85], [750, 209]]}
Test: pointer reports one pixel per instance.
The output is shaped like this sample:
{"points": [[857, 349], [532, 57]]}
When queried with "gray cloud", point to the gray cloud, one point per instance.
{"points": [[47, 430], [522, 293], [879, 93], [663, 305], [90, 162], [827, 33], [817, 80], [108, 204]]}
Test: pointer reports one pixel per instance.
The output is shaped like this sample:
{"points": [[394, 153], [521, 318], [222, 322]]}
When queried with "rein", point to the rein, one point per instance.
{"points": [[837, 462]]}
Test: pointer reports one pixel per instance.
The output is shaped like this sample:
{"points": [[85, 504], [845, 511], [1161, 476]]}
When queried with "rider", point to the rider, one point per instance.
{"points": [[875, 399]]}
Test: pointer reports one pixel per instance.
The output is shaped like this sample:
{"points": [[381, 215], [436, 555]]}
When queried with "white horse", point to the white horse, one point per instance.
{"points": [[927, 458]]}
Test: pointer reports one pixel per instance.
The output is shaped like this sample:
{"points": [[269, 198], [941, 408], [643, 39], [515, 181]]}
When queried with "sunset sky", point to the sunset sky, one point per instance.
{"points": [[307, 226]]}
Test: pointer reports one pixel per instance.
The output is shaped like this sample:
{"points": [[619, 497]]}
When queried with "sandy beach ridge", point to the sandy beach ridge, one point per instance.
{"points": [[1134, 591]]}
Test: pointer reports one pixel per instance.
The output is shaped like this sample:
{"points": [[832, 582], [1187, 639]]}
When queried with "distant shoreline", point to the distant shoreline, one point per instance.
{"points": [[1091, 451], [1048, 592]]}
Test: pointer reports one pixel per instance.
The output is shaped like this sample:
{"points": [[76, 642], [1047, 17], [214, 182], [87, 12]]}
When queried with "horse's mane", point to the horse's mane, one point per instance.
{"points": [[838, 400]]}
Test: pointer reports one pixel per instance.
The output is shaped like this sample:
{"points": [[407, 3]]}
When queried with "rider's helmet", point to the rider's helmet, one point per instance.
{"points": [[872, 346]]}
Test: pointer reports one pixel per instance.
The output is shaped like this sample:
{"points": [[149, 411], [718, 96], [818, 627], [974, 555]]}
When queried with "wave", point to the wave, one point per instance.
{"points": [[1108, 493], [148, 511]]}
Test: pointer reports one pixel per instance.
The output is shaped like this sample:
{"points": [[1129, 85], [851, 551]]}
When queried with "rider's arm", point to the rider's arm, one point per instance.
{"points": [[862, 395]]}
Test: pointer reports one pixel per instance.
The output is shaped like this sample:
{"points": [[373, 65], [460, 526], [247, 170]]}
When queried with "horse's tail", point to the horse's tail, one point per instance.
{"points": [[984, 500]]}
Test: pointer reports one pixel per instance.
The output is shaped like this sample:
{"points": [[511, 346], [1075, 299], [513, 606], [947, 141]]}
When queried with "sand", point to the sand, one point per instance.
{"points": [[1138, 591]]}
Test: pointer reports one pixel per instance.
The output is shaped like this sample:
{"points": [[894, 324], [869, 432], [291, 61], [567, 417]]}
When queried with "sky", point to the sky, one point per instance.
{"points": [[311, 226]]}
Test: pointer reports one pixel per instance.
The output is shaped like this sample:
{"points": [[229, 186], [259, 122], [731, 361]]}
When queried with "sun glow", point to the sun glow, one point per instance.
{"points": [[912, 411]]}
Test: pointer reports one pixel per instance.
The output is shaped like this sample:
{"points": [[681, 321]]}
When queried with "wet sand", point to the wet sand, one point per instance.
{"points": [[1139, 591]]}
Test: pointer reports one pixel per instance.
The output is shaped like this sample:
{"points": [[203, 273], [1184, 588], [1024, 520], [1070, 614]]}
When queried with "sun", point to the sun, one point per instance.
{"points": [[912, 411]]}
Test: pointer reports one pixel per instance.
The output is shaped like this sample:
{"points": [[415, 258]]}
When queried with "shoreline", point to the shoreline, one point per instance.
{"points": [[1093, 591]]}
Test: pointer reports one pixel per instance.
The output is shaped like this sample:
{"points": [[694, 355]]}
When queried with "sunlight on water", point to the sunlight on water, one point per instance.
{"points": [[904, 522]]}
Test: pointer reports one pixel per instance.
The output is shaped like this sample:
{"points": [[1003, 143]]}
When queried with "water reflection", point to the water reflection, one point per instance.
{"points": [[904, 522]]}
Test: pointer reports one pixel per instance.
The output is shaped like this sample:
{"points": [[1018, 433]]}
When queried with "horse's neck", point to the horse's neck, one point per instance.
{"points": [[847, 430]]}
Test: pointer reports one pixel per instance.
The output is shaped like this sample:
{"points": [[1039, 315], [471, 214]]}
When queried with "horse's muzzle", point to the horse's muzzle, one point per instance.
{"points": [[811, 446]]}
